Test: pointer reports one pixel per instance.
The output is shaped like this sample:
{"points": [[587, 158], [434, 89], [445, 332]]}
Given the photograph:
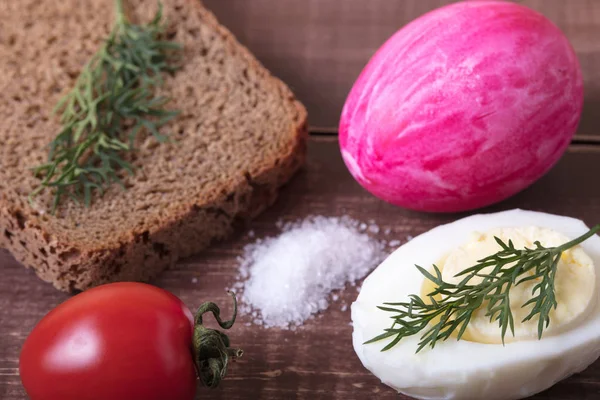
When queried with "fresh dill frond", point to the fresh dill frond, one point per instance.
{"points": [[112, 102], [437, 320]]}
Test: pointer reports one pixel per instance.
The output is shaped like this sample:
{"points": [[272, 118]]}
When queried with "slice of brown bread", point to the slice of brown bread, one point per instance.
{"points": [[241, 135]]}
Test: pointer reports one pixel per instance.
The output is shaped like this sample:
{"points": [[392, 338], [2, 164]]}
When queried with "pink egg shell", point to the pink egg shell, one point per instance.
{"points": [[463, 107]]}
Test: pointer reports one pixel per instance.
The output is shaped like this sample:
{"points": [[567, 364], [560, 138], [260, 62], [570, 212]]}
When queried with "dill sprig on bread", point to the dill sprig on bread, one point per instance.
{"points": [[114, 89]]}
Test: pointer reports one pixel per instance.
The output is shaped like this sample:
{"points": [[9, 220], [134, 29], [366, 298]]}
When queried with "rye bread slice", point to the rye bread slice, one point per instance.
{"points": [[240, 136]]}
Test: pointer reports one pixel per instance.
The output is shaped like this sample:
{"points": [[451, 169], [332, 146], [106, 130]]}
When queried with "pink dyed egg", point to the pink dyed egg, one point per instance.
{"points": [[463, 107]]}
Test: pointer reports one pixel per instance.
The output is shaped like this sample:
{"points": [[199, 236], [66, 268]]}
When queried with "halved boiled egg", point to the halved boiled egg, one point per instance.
{"points": [[479, 366]]}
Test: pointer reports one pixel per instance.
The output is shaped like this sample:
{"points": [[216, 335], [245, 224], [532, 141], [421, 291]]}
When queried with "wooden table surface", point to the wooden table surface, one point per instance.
{"points": [[317, 360]]}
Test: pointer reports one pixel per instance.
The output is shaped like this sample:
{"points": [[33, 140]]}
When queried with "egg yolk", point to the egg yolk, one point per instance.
{"points": [[575, 284]]}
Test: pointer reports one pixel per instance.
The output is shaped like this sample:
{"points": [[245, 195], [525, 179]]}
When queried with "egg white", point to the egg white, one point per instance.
{"points": [[462, 370]]}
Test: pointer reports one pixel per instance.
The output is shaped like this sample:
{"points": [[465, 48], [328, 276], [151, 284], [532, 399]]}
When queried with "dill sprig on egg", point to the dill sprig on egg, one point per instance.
{"points": [[449, 314], [114, 90]]}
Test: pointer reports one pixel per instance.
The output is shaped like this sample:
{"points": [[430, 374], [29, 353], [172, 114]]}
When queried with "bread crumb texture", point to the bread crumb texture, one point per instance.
{"points": [[241, 135]]}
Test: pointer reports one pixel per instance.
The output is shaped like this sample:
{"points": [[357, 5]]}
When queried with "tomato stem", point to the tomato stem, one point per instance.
{"points": [[211, 347]]}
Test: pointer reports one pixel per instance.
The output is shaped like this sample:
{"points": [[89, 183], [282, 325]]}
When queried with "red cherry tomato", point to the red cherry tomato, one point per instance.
{"points": [[123, 341]]}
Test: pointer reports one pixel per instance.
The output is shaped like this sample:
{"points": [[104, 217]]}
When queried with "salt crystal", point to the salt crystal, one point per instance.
{"points": [[194, 280], [374, 228], [251, 234], [387, 231], [409, 238], [394, 243], [335, 297], [289, 278], [362, 227], [344, 307]]}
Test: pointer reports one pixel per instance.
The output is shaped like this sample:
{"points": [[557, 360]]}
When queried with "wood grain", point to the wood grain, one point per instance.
{"points": [[317, 360], [320, 46]]}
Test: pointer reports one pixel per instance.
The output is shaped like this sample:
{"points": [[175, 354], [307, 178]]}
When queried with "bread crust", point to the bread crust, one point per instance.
{"points": [[142, 255]]}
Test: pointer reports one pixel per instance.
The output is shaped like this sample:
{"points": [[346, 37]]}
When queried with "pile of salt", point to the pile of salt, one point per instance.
{"points": [[286, 279]]}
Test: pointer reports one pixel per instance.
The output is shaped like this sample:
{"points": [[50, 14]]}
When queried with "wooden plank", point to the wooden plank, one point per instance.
{"points": [[320, 46], [317, 360]]}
